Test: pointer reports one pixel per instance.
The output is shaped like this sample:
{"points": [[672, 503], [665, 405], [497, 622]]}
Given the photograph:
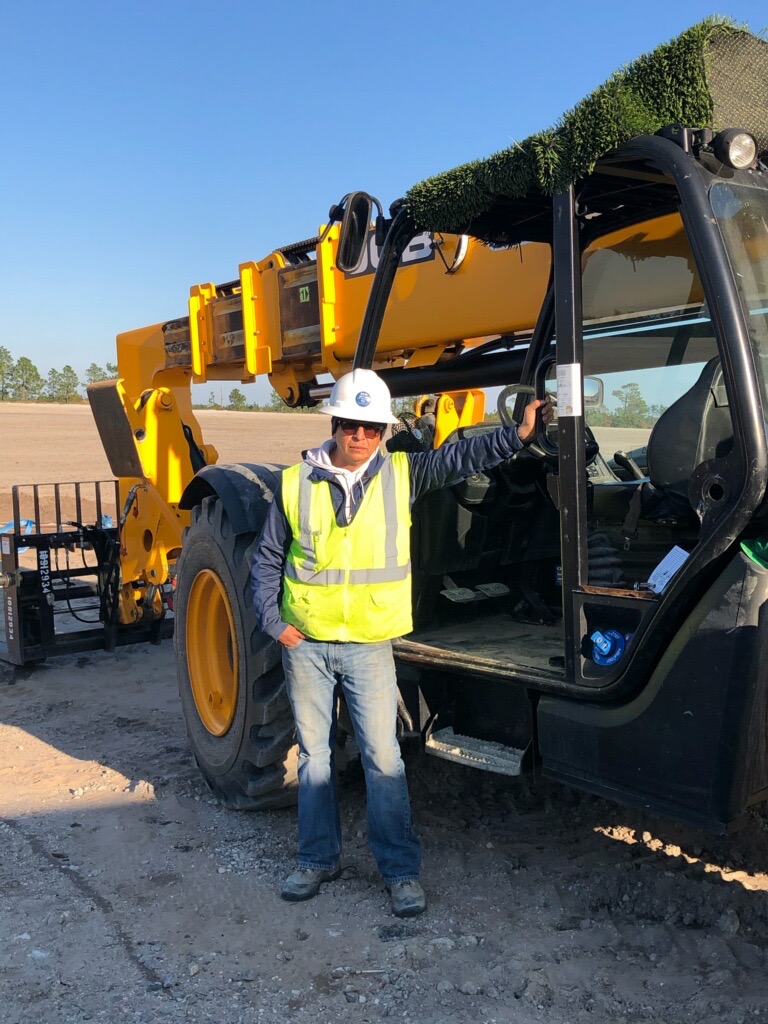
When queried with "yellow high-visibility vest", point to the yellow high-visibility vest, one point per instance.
{"points": [[349, 583]]}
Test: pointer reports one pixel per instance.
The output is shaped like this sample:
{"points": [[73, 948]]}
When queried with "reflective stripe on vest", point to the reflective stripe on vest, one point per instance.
{"points": [[349, 582]]}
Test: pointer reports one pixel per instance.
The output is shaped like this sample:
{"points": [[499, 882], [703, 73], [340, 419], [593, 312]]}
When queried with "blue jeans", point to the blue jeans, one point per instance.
{"points": [[366, 674]]}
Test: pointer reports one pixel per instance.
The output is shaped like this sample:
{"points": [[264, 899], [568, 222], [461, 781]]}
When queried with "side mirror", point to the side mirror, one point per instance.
{"points": [[355, 224], [593, 392]]}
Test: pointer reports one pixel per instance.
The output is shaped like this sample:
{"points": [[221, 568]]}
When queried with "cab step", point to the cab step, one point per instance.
{"points": [[485, 754]]}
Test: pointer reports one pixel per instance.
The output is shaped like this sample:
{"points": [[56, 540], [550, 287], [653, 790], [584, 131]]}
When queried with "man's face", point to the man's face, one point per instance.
{"points": [[353, 446]]}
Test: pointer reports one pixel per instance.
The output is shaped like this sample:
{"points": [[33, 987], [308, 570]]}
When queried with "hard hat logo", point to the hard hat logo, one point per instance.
{"points": [[363, 398]]}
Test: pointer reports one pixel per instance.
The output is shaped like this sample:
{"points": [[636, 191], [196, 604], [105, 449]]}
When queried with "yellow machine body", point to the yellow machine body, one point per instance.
{"points": [[296, 321]]}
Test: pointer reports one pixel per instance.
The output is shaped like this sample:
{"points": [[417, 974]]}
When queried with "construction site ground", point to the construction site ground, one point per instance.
{"points": [[129, 894]]}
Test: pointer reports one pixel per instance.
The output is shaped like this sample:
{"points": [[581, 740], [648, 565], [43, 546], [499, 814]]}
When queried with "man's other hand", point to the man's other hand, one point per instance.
{"points": [[527, 429], [291, 637]]}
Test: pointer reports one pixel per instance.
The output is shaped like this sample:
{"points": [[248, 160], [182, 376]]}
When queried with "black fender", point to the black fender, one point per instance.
{"points": [[245, 490]]}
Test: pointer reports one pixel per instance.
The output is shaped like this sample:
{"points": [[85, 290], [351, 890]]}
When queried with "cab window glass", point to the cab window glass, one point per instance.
{"points": [[647, 333]]}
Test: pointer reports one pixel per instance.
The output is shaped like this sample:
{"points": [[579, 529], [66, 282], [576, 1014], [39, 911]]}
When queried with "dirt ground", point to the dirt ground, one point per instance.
{"points": [[129, 894], [45, 444]]}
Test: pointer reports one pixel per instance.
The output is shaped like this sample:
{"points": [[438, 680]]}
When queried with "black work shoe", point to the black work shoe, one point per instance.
{"points": [[304, 883], [408, 899]]}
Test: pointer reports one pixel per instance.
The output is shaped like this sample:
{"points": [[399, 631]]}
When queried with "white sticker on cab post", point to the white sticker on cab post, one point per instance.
{"points": [[569, 398]]}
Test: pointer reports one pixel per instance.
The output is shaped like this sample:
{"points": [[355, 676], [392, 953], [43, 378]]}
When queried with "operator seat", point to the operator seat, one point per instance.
{"points": [[695, 428]]}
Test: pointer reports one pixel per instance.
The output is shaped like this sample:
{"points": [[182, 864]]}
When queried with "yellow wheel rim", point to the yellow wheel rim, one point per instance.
{"points": [[212, 652]]}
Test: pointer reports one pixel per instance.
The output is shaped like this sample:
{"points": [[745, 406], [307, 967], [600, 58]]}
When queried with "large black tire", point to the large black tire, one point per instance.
{"points": [[230, 675]]}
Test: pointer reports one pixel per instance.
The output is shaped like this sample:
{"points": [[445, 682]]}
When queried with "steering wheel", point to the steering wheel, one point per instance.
{"points": [[511, 391], [547, 453], [542, 447]]}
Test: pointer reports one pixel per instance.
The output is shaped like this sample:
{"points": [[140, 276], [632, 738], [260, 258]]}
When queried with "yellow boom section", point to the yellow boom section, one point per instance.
{"points": [[298, 321]]}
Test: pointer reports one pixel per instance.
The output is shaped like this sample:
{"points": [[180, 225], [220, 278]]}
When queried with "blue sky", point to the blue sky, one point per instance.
{"points": [[148, 145]]}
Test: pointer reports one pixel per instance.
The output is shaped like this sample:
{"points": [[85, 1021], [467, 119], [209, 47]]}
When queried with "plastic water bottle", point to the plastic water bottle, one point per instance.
{"points": [[608, 646]]}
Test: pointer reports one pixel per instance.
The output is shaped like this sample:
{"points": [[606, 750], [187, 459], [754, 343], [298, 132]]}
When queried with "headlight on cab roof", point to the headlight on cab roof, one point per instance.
{"points": [[736, 148]]}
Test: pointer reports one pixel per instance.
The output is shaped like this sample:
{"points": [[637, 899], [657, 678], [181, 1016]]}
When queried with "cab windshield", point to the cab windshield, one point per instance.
{"points": [[742, 214]]}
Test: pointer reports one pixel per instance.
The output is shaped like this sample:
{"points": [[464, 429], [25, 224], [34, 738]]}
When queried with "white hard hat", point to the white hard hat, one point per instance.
{"points": [[361, 396]]}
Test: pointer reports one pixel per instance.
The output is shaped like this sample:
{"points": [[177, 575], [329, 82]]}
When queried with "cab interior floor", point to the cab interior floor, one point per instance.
{"points": [[494, 642]]}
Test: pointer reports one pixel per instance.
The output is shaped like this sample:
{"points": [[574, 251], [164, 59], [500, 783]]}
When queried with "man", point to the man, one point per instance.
{"points": [[331, 583], [425, 411], [426, 421]]}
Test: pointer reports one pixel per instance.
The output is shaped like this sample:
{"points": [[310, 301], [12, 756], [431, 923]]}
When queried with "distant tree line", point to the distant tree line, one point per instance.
{"points": [[632, 410], [21, 381], [239, 403]]}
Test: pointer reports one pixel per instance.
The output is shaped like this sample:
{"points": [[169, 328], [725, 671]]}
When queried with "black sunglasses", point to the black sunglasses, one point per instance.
{"points": [[371, 430]]}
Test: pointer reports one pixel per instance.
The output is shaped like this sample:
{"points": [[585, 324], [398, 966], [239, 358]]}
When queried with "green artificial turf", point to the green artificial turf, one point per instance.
{"points": [[713, 75]]}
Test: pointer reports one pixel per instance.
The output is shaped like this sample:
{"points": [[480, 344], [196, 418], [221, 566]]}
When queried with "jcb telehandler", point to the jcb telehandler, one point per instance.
{"points": [[590, 614]]}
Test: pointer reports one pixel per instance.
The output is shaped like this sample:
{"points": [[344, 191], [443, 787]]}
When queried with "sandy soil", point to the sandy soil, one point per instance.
{"points": [[42, 444], [129, 894]]}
